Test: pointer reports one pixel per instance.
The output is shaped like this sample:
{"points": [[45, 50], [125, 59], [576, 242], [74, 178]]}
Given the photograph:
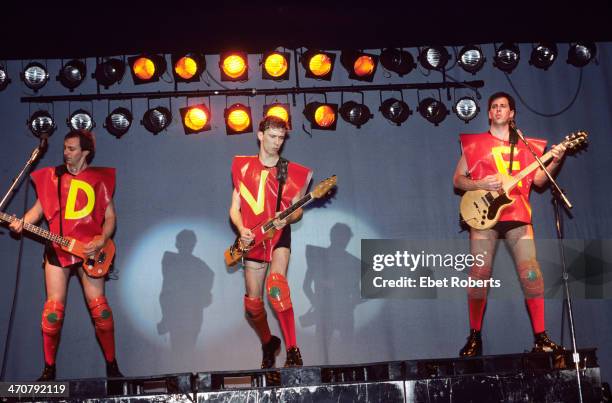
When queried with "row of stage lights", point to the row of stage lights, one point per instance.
{"points": [[238, 117], [147, 68]]}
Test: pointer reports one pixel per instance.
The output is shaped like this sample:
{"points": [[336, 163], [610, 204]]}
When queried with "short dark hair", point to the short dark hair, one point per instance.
{"points": [[86, 141], [502, 94], [273, 122]]}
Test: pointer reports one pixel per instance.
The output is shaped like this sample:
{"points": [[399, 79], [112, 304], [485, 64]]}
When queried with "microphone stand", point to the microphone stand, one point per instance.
{"points": [[40, 149], [36, 153], [558, 194]]}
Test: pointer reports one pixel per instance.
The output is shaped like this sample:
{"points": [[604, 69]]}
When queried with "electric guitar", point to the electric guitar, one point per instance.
{"points": [[480, 209], [266, 229], [94, 265]]}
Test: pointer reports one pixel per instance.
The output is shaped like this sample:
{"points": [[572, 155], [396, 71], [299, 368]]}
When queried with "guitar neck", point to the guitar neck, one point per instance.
{"points": [[43, 233], [529, 169], [286, 213]]}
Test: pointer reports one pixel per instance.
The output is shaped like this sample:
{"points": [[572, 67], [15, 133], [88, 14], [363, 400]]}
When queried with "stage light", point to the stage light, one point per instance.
{"points": [[4, 78], [471, 59], [321, 116], [434, 57], [355, 113], [280, 111], [466, 108], [156, 119], [147, 68], [234, 66], [238, 119], [80, 120], [188, 67], [581, 53], [397, 61], [72, 74], [360, 66], [543, 55], [433, 110], [195, 118], [118, 122], [109, 72], [319, 65], [507, 57], [35, 76], [275, 66], [41, 124], [395, 110]]}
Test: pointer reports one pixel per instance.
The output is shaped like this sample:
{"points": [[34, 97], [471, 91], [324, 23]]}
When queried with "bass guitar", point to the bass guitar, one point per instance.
{"points": [[94, 265], [481, 209], [266, 229]]}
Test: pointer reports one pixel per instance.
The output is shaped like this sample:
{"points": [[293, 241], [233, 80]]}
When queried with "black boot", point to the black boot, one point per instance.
{"points": [[473, 346], [270, 349], [542, 344], [294, 358], [48, 374], [112, 370]]}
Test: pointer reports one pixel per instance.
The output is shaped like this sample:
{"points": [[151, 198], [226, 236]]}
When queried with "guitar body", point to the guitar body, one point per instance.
{"points": [[480, 209], [237, 251], [95, 266]]}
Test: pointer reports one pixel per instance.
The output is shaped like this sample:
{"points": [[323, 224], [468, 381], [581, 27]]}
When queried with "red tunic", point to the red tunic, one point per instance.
{"points": [[485, 155], [258, 188], [85, 198]]}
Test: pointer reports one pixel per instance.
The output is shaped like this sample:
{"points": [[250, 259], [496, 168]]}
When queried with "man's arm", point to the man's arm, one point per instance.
{"points": [[108, 228], [34, 215], [234, 212], [558, 152], [462, 181]]}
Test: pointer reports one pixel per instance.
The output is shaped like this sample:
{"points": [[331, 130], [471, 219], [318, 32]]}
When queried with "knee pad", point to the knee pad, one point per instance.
{"points": [[531, 278], [278, 292], [479, 273], [101, 313], [254, 307], [52, 317]]}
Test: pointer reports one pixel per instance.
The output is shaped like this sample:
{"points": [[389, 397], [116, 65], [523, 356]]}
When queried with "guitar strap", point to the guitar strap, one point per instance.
{"points": [[59, 171], [281, 177]]}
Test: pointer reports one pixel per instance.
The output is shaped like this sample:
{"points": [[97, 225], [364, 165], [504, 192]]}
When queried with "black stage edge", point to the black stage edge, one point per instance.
{"points": [[539, 377]]}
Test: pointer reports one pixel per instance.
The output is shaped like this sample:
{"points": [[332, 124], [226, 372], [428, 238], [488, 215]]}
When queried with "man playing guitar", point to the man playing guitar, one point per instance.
{"points": [[76, 200], [258, 180], [485, 158]]}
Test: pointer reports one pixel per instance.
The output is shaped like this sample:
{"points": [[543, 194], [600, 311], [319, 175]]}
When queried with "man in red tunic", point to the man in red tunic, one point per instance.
{"points": [[255, 199], [486, 157], [77, 201]]}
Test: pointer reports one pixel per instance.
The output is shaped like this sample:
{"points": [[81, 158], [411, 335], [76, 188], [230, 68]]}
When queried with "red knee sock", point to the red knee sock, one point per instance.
{"points": [[102, 316], [476, 308], [286, 320], [51, 324], [535, 307], [256, 314]]}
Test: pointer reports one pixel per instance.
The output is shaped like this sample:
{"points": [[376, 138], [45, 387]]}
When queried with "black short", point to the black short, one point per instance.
{"points": [[283, 242], [502, 227], [52, 258]]}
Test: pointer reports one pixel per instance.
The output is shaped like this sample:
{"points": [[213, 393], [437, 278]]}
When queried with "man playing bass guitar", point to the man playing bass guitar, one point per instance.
{"points": [[264, 185], [77, 201]]}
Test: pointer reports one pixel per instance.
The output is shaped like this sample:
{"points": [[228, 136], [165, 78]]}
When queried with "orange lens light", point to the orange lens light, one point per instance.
{"points": [[196, 118], [320, 64], [276, 65], [144, 68], [186, 67], [324, 116], [234, 66], [238, 120], [280, 111], [364, 66]]}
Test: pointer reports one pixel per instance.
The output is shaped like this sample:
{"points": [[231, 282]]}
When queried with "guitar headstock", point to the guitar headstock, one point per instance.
{"points": [[323, 187], [575, 140]]}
